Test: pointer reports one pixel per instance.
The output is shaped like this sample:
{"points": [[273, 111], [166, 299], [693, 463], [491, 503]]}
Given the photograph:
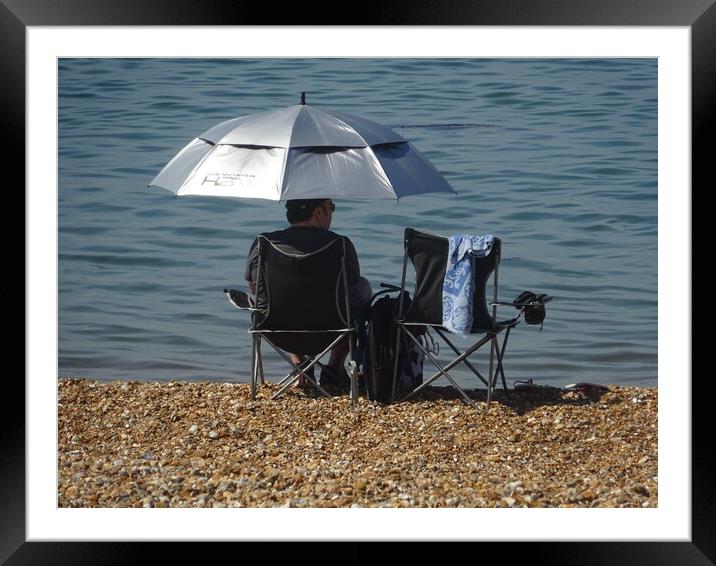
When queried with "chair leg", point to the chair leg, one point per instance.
{"points": [[441, 371], [465, 361], [254, 366], [296, 370], [394, 391], [354, 383], [492, 377], [501, 357], [354, 370], [260, 359], [496, 366], [497, 352], [292, 378]]}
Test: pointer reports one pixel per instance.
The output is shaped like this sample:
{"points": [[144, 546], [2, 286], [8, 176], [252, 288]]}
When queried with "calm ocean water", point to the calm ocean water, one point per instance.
{"points": [[558, 157]]}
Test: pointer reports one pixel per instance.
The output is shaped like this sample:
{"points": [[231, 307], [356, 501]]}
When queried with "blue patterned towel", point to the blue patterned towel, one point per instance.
{"points": [[458, 285]]}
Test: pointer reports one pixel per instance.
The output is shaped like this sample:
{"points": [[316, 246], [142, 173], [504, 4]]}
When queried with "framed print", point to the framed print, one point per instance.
{"points": [[72, 47]]}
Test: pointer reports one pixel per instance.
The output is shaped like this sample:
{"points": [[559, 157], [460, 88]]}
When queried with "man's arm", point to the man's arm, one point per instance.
{"points": [[251, 265], [352, 266]]}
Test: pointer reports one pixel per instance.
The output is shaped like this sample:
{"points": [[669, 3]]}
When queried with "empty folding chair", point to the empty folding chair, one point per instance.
{"points": [[428, 253], [302, 306]]}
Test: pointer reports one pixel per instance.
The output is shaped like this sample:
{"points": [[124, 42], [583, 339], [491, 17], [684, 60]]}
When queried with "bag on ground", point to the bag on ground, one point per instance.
{"points": [[379, 352]]}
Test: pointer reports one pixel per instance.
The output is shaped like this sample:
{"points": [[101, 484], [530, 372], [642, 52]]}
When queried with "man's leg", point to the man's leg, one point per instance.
{"points": [[360, 301], [338, 357], [298, 359], [334, 374]]}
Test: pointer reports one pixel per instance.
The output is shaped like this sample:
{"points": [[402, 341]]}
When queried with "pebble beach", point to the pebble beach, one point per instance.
{"points": [[206, 444]]}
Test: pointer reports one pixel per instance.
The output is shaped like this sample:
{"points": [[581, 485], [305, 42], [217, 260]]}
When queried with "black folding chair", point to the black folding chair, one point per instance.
{"points": [[428, 253], [302, 306]]}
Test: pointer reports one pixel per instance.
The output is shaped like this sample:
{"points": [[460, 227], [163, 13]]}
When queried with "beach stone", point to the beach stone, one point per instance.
{"points": [[319, 452], [587, 494]]}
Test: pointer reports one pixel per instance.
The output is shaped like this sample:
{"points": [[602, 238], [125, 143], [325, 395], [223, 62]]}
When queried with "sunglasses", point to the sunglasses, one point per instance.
{"points": [[332, 207]]}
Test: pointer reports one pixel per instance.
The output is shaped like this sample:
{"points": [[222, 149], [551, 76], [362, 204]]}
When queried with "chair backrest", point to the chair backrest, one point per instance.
{"points": [[301, 291], [429, 254]]}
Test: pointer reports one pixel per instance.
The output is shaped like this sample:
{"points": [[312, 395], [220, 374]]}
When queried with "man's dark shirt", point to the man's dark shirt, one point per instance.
{"points": [[303, 240]]}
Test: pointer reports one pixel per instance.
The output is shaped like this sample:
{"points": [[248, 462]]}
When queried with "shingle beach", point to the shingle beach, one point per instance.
{"points": [[187, 444]]}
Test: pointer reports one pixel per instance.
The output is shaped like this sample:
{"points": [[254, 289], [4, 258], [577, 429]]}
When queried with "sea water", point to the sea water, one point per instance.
{"points": [[558, 157]]}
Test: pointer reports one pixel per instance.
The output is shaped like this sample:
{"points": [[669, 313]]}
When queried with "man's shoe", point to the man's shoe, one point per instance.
{"points": [[335, 380], [303, 383]]}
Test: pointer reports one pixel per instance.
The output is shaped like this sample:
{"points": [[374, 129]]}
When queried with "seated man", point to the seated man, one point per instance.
{"points": [[310, 220]]}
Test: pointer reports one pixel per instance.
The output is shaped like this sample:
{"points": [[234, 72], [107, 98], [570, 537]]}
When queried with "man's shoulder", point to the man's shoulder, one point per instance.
{"points": [[333, 236], [274, 233], [304, 239], [346, 238], [302, 233]]}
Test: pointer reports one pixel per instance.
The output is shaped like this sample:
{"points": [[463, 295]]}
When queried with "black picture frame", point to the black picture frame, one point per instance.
{"points": [[699, 15]]}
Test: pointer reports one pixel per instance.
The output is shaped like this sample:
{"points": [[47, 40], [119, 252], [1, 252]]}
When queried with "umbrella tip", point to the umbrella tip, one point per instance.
{"points": [[303, 98]]}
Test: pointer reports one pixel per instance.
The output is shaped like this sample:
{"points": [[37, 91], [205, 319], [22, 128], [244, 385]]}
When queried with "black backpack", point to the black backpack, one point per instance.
{"points": [[379, 351]]}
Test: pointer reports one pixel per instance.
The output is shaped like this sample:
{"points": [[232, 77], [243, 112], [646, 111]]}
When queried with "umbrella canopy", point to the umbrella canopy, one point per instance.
{"points": [[300, 152]]}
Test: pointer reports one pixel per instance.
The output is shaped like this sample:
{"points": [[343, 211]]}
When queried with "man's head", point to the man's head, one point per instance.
{"points": [[310, 212]]}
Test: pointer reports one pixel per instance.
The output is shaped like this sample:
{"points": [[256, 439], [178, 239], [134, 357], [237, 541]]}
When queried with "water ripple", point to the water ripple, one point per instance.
{"points": [[557, 156]]}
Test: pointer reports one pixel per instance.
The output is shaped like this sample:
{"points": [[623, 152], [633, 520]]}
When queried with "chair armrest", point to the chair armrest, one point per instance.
{"points": [[544, 299], [240, 299]]}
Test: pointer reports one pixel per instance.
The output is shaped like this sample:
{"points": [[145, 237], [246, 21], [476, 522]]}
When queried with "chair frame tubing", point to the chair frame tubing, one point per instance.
{"points": [[257, 369], [496, 352], [462, 357], [292, 377]]}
